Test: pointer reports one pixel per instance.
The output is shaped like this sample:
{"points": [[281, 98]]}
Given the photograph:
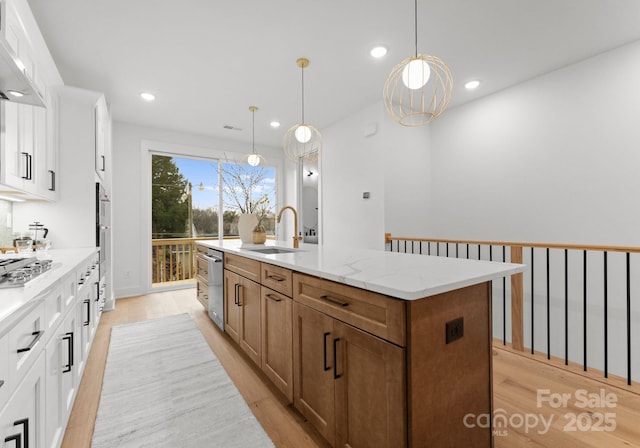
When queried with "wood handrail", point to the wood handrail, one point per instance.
{"points": [[601, 248]]}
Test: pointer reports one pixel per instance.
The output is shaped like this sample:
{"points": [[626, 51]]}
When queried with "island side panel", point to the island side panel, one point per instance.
{"points": [[447, 382]]}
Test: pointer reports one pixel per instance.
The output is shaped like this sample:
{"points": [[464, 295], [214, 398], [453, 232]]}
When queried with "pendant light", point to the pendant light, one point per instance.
{"points": [[254, 159], [418, 89], [302, 141]]}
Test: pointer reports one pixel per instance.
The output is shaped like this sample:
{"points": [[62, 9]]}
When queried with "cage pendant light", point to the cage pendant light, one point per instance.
{"points": [[302, 141], [253, 159], [419, 88]]}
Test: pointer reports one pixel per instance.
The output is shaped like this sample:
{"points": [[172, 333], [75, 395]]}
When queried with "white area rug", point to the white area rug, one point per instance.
{"points": [[164, 387]]}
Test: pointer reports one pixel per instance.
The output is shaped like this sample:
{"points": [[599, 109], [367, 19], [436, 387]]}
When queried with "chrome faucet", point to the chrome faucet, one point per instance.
{"points": [[296, 238]]}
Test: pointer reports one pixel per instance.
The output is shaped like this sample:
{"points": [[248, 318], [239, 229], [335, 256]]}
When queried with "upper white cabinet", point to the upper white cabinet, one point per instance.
{"points": [[102, 132], [29, 133]]}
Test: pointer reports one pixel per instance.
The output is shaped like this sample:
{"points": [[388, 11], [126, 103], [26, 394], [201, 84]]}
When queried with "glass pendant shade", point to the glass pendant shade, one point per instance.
{"points": [[416, 74], [253, 159], [302, 141]]}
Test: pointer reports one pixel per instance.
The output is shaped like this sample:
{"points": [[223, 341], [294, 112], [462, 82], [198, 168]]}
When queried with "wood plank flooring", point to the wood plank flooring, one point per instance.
{"points": [[517, 381]]}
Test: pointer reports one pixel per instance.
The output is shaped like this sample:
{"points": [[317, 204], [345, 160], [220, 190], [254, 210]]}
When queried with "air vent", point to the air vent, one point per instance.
{"points": [[232, 128]]}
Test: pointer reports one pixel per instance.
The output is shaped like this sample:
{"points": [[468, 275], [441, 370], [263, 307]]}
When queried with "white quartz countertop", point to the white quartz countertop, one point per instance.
{"points": [[14, 300], [404, 276]]}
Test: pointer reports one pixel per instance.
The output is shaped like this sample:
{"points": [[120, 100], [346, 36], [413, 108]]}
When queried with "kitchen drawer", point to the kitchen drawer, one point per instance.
{"points": [[202, 293], [54, 310], [245, 267], [5, 384], [369, 311], [26, 341], [202, 267], [277, 278], [202, 249]]}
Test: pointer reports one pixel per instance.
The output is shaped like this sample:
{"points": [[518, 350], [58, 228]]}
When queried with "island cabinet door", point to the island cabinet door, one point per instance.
{"points": [[369, 378], [250, 325], [313, 384], [277, 330], [231, 307]]}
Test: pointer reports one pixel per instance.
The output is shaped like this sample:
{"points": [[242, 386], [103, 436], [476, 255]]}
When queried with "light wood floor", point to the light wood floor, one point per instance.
{"points": [[516, 384]]}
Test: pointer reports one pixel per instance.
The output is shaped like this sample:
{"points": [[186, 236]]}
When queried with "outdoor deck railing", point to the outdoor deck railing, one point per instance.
{"points": [[573, 305], [174, 259]]}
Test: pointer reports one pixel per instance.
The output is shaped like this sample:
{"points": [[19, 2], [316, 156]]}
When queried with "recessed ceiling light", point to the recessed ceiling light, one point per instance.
{"points": [[274, 124], [147, 96], [378, 52], [471, 85], [15, 93]]}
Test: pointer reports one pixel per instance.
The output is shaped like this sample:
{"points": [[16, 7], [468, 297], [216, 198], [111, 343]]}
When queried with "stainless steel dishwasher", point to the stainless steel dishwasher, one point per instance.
{"points": [[216, 286]]}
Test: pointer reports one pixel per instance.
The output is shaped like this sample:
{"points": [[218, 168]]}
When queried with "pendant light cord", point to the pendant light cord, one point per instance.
{"points": [[253, 130], [302, 68], [415, 25]]}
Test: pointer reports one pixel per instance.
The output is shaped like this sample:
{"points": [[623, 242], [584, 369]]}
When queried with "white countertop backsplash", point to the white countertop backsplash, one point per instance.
{"points": [[405, 276], [14, 300]]}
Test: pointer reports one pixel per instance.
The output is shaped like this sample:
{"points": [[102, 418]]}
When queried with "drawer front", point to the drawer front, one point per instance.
{"points": [[5, 384], [26, 341], [55, 308], [203, 267], [203, 294], [277, 278], [202, 250], [375, 313], [245, 267]]}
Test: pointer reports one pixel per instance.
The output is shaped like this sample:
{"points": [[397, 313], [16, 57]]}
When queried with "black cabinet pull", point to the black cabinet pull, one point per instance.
{"points": [[53, 180], [235, 297], [19, 437], [16, 437], [276, 278], [26, 165], [88, 321], [335, 359], [324, 360], [69, 338], [239, 290], [38, 335], [97, 291], [332, 300], [30, 177], [272, 297], [103, 162]]}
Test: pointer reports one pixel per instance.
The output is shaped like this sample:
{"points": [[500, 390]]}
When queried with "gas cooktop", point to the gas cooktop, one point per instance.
{"points": [[16, 272]]}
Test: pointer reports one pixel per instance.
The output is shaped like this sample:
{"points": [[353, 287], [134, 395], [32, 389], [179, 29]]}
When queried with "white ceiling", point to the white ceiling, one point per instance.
{"points": [[208, 61]]}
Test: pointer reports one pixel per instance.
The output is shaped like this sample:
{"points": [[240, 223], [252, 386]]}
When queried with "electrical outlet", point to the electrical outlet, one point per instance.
{"points": [[455, 329]]}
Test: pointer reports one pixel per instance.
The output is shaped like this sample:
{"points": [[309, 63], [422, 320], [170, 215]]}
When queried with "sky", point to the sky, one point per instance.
{"points": [[204, 172]]}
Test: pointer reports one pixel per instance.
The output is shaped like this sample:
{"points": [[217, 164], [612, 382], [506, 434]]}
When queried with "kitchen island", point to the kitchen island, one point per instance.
{"points": [[373, 348]]}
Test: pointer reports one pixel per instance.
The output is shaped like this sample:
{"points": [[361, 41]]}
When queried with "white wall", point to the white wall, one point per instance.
{"points": [[554, 159], [129, 195], [392, 165]]}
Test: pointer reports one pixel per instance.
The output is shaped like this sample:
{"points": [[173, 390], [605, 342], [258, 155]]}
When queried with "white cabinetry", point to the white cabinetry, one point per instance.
{"points": [[42, 355], [28, 146], [61, 379], [22, 419]]}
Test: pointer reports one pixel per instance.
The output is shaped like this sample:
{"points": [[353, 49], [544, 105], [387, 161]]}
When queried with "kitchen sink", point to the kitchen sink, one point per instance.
{"points": [[272, 250]]}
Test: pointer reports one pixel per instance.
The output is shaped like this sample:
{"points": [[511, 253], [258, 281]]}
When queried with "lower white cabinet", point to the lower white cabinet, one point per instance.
{"points": [[61, 379], [22, 420], [42, 358]]}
